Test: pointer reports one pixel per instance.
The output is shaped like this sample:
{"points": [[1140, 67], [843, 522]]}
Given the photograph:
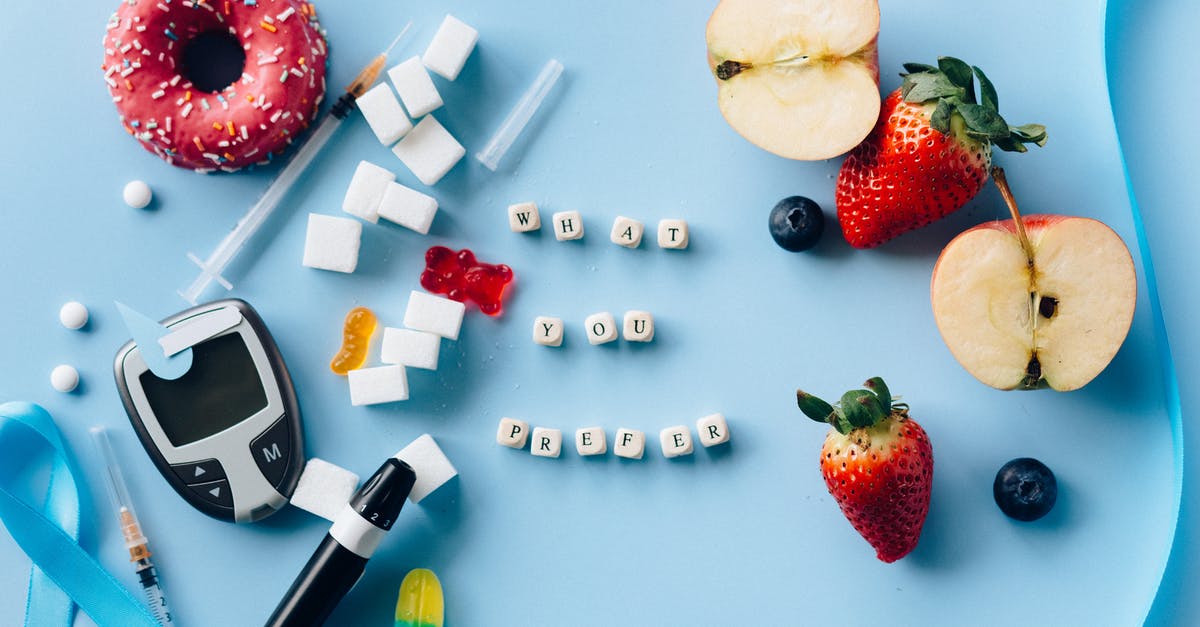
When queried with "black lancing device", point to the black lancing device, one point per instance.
{"points": [[339, 560]]}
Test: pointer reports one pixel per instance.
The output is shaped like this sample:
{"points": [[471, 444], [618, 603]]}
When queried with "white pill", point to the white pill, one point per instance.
{"points": [[73, 315], [64, 378], [137, 194]]}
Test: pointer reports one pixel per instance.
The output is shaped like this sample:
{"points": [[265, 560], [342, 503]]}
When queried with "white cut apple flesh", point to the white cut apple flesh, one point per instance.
{"points": [[1056, 311], [799, 78]]}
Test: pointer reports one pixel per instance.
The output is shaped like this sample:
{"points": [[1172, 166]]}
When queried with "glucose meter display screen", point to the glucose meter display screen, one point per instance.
{"points": [[221, 389]]}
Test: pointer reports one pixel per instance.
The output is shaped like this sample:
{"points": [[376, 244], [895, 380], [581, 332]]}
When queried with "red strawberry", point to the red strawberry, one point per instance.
{"points": [[878, 465], [928, 154]]}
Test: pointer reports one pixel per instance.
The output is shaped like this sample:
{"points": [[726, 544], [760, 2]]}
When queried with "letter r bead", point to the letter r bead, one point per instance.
{"points": [[546, 442], [713, 430]]}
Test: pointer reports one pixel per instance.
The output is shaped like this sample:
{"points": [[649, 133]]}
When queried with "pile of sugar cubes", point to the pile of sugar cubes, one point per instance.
{"points": [[427, 319], [524, 217], [427, 149], [333, 243], [675, 441]]}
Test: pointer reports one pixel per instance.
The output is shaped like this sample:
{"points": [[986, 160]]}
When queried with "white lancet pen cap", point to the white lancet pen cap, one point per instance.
{"points": [[519, 117]]}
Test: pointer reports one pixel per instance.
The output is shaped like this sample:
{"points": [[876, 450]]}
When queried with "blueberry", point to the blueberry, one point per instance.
{"points": [[1025, 489], [796, 223]]}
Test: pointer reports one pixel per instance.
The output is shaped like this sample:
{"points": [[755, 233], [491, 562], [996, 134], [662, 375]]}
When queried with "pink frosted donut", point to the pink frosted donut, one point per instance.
{"points": [[155, 81]]}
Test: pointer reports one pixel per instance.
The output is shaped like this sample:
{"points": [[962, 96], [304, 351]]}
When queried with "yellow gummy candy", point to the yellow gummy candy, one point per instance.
{"points": [[356, 338], [420, 603]]}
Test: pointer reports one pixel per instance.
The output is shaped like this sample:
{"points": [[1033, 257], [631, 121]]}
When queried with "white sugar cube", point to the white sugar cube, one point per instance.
{"points": [[416, 89], [512, 433], [548, 331], [415, 349], [676, 441], [429, 150], [383, 114], [524, 217], [324, 488], [546, 442], [382, 384], [627, 232], [713, 430], [332, 243], [437, 315], [568, 225], [366, 191], [450, 48], [639, 326], [673, 234], [408, 207], [431, 465], [591, 441], [629, 443], [601, 328]]}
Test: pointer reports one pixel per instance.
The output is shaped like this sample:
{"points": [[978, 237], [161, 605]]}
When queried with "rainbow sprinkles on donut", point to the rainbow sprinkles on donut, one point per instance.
{"points": [[249, 121]]}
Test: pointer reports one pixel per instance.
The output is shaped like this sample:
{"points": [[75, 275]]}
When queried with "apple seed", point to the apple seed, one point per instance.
{"points": [[730, 69]]}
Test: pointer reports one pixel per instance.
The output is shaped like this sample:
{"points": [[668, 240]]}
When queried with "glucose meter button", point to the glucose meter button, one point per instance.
{"points": [[271, 451], [199, 472], [215, 492]]}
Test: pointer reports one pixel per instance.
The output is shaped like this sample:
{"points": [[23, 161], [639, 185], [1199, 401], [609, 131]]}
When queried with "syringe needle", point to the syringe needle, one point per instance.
{"points": [[368, 75], [395, 41], [131, 529]]}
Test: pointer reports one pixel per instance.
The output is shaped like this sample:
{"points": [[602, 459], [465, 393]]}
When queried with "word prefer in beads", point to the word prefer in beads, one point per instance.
{"points": [[459, 276], [675, 441]]}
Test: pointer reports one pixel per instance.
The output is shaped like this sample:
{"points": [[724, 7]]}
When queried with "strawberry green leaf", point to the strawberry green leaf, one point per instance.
{"points": [[959, 73], [925, 87], [983, 122], [855, 412], [987, 91], [1031, 133], [876, 385], [940, 118], [1008, 144], [839, 422], [916, 68], [874, 408], [814, 407]]}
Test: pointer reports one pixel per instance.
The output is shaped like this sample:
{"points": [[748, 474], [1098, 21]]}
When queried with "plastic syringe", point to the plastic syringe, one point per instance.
{"points": [[212, 267], [131, 530]]}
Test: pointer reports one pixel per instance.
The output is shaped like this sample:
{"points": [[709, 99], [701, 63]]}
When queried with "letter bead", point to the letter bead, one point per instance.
{"points": [[548, 331], [512, 433], [601, 328]]}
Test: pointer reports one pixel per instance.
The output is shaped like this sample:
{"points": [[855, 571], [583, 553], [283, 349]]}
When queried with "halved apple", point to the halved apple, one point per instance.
{"points": [[799, 78], [1049, 298]]}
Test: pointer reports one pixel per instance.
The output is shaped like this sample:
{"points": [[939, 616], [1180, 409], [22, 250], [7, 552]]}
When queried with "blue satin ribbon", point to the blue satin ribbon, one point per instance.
{"points": [[1162, 341], [63, 574]]}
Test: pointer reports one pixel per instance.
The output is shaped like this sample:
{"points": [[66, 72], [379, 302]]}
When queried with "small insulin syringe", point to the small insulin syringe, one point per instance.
{"points": [[139, 550]]}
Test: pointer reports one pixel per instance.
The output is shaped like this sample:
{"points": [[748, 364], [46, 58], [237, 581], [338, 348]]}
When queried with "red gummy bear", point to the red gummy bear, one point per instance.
{"points": [[460, 277]]}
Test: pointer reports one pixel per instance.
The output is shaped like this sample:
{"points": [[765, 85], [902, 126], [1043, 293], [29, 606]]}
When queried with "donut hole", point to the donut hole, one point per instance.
{"points": [[213, 60]]}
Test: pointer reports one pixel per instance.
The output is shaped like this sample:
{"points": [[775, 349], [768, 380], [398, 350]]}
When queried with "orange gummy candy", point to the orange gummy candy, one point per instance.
{"points": [[356, 338]]}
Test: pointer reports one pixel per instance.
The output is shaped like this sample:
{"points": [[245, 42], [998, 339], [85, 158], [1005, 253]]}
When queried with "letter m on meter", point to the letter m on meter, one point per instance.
{"points": [[272, 454]]}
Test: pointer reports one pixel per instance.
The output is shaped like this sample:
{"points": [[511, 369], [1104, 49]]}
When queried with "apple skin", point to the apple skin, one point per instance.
{"points": [[1111, 328]]}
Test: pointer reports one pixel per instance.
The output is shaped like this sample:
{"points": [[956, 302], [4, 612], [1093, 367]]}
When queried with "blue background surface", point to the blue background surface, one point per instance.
{"points": [[633, 130]]}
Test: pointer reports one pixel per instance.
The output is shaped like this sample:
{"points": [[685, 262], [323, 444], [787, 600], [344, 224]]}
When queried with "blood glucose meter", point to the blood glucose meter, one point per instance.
{"points": [[226, 434]]}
